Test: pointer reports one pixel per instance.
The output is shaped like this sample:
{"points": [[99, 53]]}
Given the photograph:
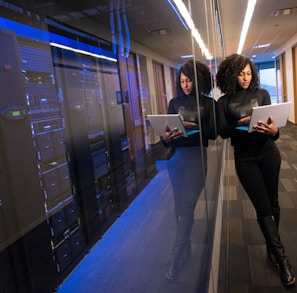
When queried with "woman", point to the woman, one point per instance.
{"points": [[187, 166], [257, 158]]}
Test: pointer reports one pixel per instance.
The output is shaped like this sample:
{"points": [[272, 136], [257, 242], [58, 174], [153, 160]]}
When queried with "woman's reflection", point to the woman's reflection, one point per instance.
{"points": [[186, 166]]}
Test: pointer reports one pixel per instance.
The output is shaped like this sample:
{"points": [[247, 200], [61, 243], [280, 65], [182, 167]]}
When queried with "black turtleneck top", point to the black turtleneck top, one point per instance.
{"points": [[230, 108], [186, 106]]}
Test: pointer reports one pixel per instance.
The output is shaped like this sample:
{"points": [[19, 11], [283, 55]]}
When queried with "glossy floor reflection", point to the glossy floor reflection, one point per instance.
{"points": [[134, 253]]}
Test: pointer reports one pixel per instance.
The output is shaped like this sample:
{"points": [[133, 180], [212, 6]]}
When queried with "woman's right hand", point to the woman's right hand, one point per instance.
{"points": [[169, 135]]}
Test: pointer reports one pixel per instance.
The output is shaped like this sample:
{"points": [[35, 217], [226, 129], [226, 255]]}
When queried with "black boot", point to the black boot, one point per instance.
{"points": [[271, 257], [183, 231], [270, 232]]}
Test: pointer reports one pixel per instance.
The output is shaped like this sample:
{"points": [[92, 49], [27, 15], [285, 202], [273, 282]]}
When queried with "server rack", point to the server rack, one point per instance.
{"points": [[22, 210], [48, 132], [94, 125], [65, 147]]}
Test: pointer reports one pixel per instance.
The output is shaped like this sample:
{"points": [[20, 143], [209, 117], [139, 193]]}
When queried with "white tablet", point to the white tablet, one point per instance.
{"points": [[278, 112], [160, 121]]}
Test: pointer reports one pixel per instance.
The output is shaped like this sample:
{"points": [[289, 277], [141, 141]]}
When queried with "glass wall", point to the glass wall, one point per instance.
{"points": [[267, 75], [78, 82]]}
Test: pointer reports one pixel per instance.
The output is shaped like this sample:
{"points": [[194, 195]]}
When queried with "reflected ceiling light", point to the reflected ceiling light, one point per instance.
{"points": [[247, 20], [183, 11], [187, 56], [82, 52], [261, 46], [178, 15]]}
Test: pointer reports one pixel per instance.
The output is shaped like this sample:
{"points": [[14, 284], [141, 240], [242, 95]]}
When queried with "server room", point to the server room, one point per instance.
{"points": [[92, 197]]}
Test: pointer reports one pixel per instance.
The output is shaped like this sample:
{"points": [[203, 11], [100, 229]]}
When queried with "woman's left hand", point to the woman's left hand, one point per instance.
{"points": [[268, 128]]}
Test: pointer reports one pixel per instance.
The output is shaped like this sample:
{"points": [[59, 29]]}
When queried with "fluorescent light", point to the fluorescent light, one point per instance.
{"points": [[182, 9], [201, 44], [186, 56], [177, 14], [247, 20], [261, 46], [184, 13], [82, 51]]}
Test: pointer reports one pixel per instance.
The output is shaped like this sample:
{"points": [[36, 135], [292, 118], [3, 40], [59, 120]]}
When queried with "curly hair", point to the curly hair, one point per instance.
{"points": [[204, 77], [229, 70]]}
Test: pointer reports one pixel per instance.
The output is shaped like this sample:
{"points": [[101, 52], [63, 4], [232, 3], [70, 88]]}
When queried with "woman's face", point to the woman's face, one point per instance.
{"points": [[186, 84], [244, 78]]}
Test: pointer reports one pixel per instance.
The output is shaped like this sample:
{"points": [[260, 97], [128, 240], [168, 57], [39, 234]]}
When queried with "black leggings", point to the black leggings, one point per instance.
{"points": [[186, 170], [258, 171]]}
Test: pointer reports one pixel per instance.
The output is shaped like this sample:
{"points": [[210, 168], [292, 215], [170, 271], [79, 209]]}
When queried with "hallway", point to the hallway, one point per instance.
{"points": [[248, 269], [134, 253]]}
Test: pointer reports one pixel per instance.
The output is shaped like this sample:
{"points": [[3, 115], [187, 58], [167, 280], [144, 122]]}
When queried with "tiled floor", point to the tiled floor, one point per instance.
{"points": [[247, 269]]}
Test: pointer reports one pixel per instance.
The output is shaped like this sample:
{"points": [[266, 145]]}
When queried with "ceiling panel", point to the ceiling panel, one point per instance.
{"points": [[264, 28], [153, 24]]}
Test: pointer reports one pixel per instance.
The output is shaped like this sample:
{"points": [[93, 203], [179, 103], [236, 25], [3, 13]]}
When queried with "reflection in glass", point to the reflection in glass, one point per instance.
{"points": [[100, 77], [187, 167]]}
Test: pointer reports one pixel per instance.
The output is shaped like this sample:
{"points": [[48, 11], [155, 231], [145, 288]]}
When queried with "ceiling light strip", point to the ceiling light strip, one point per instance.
{"points": [[178, 15], [182, 9], [247, 20], [82, 52]]}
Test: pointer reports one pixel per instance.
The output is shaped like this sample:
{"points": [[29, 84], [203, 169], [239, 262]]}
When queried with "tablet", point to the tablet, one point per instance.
{"points": [[278, 112], [160, 121]]}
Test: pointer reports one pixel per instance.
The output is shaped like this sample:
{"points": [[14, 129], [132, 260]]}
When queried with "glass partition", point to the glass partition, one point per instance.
{"points": [[211, 201], [99, 178]]}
